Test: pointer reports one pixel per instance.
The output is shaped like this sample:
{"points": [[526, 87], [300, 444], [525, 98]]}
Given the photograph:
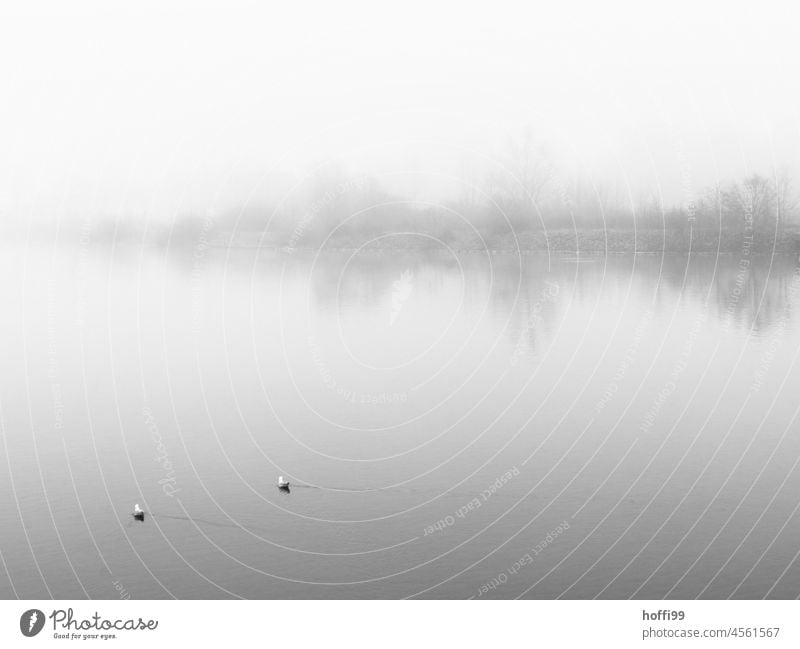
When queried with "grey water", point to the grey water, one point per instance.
{"points": [[454, 425]]}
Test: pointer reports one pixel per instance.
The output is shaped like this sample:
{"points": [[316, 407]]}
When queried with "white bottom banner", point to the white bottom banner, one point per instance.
{"points": [[372, 624]]}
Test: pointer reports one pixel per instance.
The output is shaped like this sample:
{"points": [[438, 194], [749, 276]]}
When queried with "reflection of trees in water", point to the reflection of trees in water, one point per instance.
{"points": [[739, 294], [528, 294], [746, 295], [367, 278], [502, 287], [755, 295]]}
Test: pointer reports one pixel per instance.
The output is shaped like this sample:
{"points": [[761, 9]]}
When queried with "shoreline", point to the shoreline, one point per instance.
{"points": [[560, 242]]}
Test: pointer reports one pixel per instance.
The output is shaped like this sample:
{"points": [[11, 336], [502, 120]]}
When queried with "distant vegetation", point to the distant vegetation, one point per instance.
{"points": [[528, 211], [527, 204]]}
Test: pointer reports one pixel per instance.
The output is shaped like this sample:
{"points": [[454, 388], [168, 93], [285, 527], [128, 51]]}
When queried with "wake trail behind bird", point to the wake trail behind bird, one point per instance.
{"points": [[349, 490], [204, 521], [263, 530]]}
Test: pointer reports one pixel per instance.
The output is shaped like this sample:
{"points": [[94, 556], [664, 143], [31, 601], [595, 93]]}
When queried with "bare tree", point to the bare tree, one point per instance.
{"points": [[785, 198], [520, 187], [751, 202]]}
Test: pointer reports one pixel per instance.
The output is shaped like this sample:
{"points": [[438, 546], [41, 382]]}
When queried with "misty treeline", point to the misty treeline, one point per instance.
{"points": [[758, 203], [523, 195]]}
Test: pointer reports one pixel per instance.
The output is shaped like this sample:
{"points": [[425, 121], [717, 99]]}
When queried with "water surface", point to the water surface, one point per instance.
{"points": [[454, 425]]}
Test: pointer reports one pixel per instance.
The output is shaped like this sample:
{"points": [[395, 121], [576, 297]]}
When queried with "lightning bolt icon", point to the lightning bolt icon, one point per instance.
{"points": [[32, 621]]}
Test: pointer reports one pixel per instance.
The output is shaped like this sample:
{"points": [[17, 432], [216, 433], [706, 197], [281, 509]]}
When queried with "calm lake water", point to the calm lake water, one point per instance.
{"points": [[453, 425]]}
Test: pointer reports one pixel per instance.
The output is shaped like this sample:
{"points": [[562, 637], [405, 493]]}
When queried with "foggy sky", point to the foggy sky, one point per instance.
{"points": [[139, 109]]}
